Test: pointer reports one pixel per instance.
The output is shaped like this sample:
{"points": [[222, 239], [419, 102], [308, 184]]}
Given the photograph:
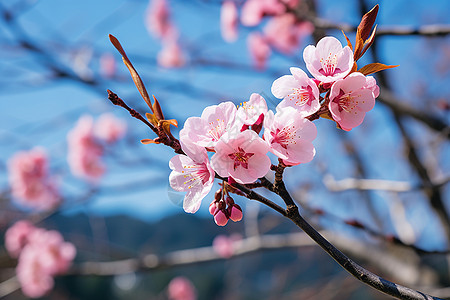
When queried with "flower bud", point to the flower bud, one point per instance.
{"points": [[236, 213], [220, 218]]}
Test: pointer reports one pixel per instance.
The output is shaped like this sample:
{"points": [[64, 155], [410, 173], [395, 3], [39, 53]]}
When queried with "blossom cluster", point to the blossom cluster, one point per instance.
{"points": [[159, 24], [283, 30], [238, 142], [41, 254], [86, 144], [30, 181]]}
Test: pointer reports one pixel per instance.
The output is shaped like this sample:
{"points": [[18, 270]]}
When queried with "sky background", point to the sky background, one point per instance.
{"points": [[38, 111]]}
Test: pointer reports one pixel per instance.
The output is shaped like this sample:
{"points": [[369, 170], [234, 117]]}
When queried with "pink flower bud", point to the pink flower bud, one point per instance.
{"points": [[220, 218], [236, 213]]}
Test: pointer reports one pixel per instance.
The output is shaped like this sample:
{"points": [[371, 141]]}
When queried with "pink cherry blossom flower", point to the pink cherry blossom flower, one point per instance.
{"points": [[252, 111], [254, 10], [30, 182], [158, 18], [109, 128], [46, 254], [284, 33], [171, 55], [259, 49], [191, 173], [35, 282], [371, 84], [84, 151], [350, 99], [16, 237], [206, 130], [56, 255], [242, 156], [229, 21], [328, 61], [181, 288], [290, 135], [298, 91]]}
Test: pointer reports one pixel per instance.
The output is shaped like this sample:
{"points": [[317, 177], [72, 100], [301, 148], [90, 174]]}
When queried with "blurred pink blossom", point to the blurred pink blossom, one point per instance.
{"points": [[30, 182], [229, 21], [107, 65], [259, 49], [109, 128], [181, 288], [84, 151], [224, 245], [328, 61], [171, 55], [157, 19], [45, 255], [351, 98], [284, 33], [254, 10], [16, 237]]}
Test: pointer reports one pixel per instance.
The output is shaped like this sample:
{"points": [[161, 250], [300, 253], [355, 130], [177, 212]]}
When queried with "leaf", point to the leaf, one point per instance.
{"points": [[369, 41], [349, 44], [354, 68], [157, 109], [134, 74], [152, 119], [367, 21], [148, 141], [359, 44], [375, 67], [165, 124]]}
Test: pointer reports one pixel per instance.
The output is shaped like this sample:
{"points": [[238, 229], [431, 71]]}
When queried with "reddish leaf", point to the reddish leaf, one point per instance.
{"points": [[152, 119], [367, 21], [134, 74], [348, 41], [157, 109], [358, 47], [369, 41], [375, 67], [148, 141]]}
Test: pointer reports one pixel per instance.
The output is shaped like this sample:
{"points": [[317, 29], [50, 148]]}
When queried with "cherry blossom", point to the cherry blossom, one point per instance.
{"points": [[30, 182], [45, 255], [181, 288], [290, 136], [16, 237], [206, 130], [252, 111], [158, 18], [351, 98], [109, 128], [241, 156], [171, 55], [284, 33], [298, 91], [254, 10], [229, 21], [84, 151], [328, 61], [33, 279], [259, 49], [191, 173]]}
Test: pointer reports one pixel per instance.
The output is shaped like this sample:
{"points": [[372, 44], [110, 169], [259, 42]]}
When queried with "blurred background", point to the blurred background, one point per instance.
{"points": [[379, 192]]}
